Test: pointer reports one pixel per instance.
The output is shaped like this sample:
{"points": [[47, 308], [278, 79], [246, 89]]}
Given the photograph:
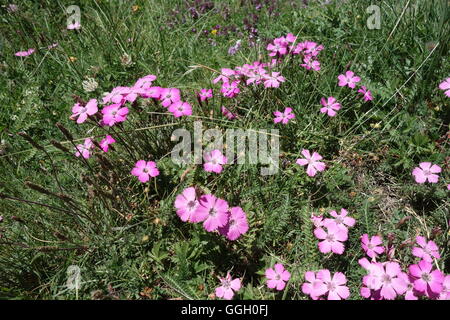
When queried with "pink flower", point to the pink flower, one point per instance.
{"points": [[426, 171], [214, 161], [152, 92], [372, 246], [312, 161], [331, 239], [310, 63], [225, 76], [180, 108], [228, 114], [228, 287], [169, 96], [278, 47], [317, 220], [349, 79], [237, 224], [334, 286], [390, 283], [273, 80], [283, 117], [83, 112], [205, 94], [410, 293], [84, 149], [314, 287], [25, 53], [212, 211], [145, 82], [341, 220], [445, 85], [445, 293], [104, 144], [187, 204], [144, 170], [330, 106], [426, 280], [277, 278], [230, 90], [427, 250], [120, 95], [367, 95], [74, 26], [113, 114]]}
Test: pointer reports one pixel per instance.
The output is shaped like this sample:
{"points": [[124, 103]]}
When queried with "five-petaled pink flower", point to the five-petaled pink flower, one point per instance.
{"points": [[426, 280], [180, 108], [144, 170], [445, 293], [187, 204], [426, 250], [283, 117], [104, 144], [367, 95], [277, 277], [373, 246], [83, 112], [330, 106], [213, 161], [426, 171], [332, 239], [349, 79], [212, 211], [312, 161], [341, 220], [314, 287], [84, 149], [237, 224], [114, 113], [273, 80], [334, 286], [227, 287], [445, 85], [389, 280], [169, 96], [205, 94]]}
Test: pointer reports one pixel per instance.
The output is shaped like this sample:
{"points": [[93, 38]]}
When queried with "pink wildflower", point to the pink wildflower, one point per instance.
{"points": [[278, 47], [120, 95], [237, 224], [373, 246], [312, 161], [84, 149], [230, 90], [367, 95], [228, 287], [445, 293], [426, 250], [144, 170], [426, 171], [169, 96], [151, 92], [314, 287], [283, 117], [187, 204], [330, 106], [83, 112], [331, 239], [334, 286], [426, 280], [212, 211], [349, 79], [273, 80], [145, 82], [24, 53], [310, 63], [214, 161], [205, 94], [104, 144], [445, 85], [113, 114], [410, 293], [277, 277], [180, 108], [341, 220], [227, 113]]}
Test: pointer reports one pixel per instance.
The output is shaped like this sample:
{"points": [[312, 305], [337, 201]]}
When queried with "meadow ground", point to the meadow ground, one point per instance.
{"points": [[85, 227]]}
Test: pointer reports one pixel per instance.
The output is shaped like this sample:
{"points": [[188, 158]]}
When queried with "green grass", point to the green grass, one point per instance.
{"points": [[126, 236]]}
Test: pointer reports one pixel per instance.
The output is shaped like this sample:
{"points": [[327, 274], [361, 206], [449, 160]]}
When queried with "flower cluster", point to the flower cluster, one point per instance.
{"points": [[350, 79], [214, 212]]}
